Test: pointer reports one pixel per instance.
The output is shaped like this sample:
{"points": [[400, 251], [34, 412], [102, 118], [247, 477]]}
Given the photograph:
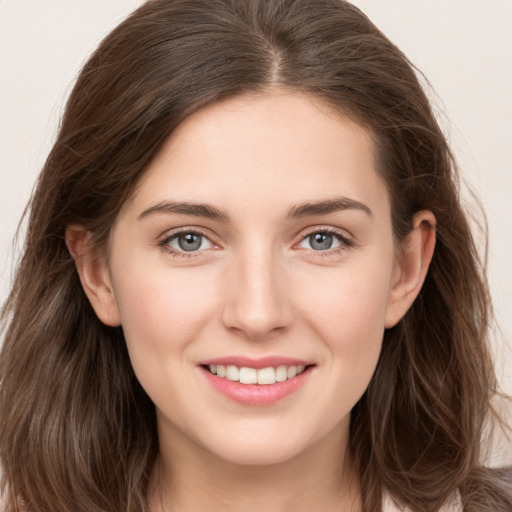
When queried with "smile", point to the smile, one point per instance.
{"points": [[263, 376], [257, 382]]}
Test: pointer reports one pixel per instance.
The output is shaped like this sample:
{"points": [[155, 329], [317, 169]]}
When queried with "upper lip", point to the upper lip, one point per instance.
{"points": [[257, 363]]}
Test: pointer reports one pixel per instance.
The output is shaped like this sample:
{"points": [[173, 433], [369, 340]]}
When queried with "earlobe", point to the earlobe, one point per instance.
{"points": [[94, 275], [413, 262]]}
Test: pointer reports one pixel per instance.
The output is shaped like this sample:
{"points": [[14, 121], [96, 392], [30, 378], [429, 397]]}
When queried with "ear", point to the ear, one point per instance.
{"points": [[94, 274], [413, 260]]}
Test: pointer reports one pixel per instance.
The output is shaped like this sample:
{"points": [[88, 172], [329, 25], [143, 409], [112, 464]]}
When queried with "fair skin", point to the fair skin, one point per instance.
{"points": [[293, 260]]}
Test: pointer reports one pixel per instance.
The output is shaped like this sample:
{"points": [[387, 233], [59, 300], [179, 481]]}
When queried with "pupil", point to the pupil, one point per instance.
{"points": [[189, 242], [321, 241]]}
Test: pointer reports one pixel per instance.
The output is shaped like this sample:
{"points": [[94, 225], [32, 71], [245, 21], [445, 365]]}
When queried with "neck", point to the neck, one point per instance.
{"points": [[190, 480]]}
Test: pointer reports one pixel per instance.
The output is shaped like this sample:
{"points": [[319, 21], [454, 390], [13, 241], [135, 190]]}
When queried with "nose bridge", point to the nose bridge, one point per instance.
{"points": [[257, 302]]}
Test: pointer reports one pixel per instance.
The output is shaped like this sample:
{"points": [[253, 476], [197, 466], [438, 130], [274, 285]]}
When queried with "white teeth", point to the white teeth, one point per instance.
{"points": [[263, 376], [281, 373], [232, 373], [292, 371], [266, 376], [248, 375]]}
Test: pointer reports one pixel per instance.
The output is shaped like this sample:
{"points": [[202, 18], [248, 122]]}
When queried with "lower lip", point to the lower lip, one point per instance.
{"points": [[257, 394]]}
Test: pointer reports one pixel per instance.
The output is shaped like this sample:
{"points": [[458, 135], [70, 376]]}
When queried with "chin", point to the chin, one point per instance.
{"points": [[257, 448], [257, 456]]}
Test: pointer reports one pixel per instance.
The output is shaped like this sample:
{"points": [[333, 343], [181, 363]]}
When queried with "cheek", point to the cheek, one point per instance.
{"points": [[347, 311], [348, 300], [163, 311], [162, 308]]}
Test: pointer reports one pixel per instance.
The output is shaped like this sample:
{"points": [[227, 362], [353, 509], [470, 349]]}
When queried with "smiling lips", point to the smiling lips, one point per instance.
{"points": [[256, 382], [263, 376]]}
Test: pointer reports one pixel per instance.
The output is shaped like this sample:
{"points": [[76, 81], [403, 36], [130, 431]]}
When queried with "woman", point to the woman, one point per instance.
{"points": [[247, 281]]}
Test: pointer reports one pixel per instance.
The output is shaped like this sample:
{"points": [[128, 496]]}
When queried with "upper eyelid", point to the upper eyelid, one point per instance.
{"points": [[171, 233], [343, 233]]}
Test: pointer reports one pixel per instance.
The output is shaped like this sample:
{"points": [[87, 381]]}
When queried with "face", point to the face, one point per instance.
{"points": [[254, 272]]}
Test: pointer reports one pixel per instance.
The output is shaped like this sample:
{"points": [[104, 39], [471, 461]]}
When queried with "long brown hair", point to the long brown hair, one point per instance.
{"points": [[77, 431]]}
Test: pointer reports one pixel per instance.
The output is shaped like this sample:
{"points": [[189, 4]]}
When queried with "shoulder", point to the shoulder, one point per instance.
{"points": [[452, 505]]}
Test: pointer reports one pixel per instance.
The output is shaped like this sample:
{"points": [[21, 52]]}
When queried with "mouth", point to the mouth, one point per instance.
{"points": [[262, 376], [256, 382]]}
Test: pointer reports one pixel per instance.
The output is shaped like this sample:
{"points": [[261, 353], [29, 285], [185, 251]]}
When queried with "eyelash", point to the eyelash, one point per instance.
{"points": [[164, 243], [345, 242]]}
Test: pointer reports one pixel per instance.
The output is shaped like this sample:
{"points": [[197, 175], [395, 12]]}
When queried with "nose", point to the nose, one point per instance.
{"points": [[257, 303]]}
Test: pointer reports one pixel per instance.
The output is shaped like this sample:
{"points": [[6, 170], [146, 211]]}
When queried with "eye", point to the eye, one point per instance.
{"points": [[324, 241], [189, 241]]}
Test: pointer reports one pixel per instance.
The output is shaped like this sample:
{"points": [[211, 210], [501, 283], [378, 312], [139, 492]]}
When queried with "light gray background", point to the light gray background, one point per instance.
{"points": [[464, 47]]}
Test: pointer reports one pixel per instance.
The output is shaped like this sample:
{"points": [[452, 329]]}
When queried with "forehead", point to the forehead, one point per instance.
{"points": [[277, 148]]}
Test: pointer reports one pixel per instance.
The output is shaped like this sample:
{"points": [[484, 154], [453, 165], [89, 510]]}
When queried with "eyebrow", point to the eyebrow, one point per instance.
{"points": [[306, 209], [325, 207], [185, 208]]}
